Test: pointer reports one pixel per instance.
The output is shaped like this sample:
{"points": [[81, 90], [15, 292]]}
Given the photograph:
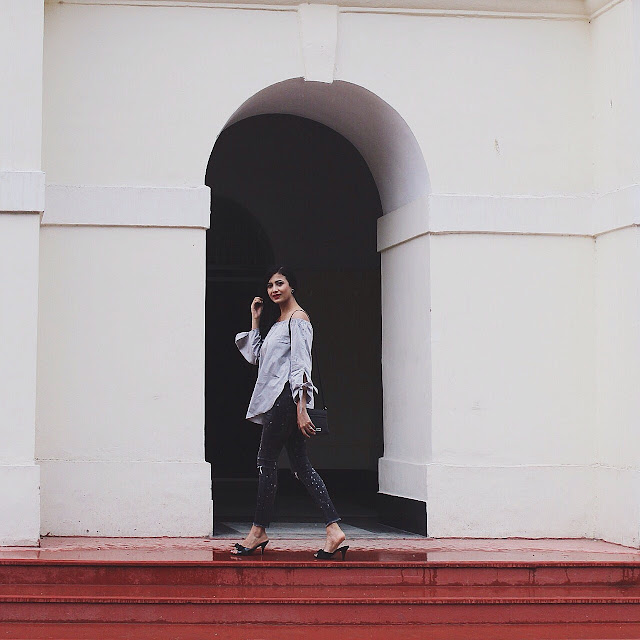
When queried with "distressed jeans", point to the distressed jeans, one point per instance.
{"points": [[280, 429]]}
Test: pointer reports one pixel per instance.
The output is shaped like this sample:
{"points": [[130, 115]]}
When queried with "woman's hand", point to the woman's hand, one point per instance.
{"points": [[256, 308], [305, 425]]}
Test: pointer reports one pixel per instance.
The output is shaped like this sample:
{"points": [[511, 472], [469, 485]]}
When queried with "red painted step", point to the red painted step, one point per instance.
{"points": [[148, 631], [280, 592], [321, 613], [501, 593], [319, 593], [297, 572]]}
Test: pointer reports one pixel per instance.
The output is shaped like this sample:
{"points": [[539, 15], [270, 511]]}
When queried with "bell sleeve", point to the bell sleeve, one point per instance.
{"points": [[300, 376], [249, 344]]}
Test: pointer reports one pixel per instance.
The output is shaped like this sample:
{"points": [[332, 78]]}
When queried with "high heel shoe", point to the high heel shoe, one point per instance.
{"points": [[321, 554], [247, 551]]}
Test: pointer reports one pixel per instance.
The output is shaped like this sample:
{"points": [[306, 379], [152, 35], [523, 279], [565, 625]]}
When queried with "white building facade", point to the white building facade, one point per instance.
{"points": [[504, 140]]}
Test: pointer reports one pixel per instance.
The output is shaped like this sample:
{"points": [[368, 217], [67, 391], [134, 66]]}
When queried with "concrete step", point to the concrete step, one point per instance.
{"points": [[150, 631], [319, 605], [320, 593], [393, 589], [287, 572]]}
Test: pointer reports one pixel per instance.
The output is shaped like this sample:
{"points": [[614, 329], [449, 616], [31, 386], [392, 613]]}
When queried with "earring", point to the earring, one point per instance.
{"points": [[292, 290]]}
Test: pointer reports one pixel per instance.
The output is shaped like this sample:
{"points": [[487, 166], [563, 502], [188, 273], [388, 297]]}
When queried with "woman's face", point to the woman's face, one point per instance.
{"points": [[278, 288]]}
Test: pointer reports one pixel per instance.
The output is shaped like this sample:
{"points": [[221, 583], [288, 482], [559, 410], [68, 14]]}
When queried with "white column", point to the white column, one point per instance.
{"points": [[120, 408], [406, 350], [21, 202], [616, 109]]}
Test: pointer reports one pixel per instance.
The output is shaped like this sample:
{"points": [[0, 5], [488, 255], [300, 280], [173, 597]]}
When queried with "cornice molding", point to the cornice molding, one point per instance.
{"points": [[524, 9], [595, 8], [126, 206], [586, 216], [21, 191]]}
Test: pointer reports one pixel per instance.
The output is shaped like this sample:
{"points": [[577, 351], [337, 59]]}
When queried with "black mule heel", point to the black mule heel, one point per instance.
{"points": [[247, 551], [321, 554]]}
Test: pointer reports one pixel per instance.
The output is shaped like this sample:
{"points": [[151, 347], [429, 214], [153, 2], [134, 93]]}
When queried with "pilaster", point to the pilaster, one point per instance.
{"points": [[21, 203]]}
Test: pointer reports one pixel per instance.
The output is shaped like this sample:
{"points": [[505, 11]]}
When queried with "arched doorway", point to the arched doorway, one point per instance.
{"points": [[316, 165], [314, 206]]}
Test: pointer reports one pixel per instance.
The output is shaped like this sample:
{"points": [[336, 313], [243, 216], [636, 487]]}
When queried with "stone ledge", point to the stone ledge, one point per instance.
{"points": [[532, 9], [127, 206], [21, 191], [587, 215]]}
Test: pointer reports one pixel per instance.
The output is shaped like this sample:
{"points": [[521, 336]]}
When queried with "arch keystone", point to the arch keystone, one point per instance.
{"points": [[318, 27]]}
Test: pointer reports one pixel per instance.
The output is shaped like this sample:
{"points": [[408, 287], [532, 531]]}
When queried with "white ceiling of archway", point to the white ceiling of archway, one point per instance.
{"points": [[380, 134]]}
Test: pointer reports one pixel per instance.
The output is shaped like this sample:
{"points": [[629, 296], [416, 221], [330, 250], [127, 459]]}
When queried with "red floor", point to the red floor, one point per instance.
{"points": [[444, 550]]}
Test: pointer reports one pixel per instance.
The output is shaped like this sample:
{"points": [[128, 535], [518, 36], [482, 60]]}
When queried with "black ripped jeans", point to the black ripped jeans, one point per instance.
{"points": [[280, 429]]}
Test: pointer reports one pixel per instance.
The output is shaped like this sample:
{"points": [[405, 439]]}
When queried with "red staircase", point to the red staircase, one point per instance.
{"points": [[373, 594]]}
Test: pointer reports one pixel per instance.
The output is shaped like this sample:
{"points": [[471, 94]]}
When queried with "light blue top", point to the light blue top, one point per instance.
{"points": [[279, 360]]}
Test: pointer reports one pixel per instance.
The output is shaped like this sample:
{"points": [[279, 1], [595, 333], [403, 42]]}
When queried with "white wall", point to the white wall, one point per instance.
{"points": [[120, 381], [615, 76], [21, 200], [120, 355], [19, 477], [153, 87], [498, 107], [406, 366], [616, 105], [618, 368], [21, 82], [504, 95], [513, 386], [446, 77]]}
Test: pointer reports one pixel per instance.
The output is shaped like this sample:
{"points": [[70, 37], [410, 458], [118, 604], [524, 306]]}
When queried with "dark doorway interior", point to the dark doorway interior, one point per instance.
{"points": [[290, 190], [238, 252]]}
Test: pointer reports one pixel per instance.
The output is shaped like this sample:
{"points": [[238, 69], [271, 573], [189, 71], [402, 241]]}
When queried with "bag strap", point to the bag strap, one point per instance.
{"points": [[320, 387]]}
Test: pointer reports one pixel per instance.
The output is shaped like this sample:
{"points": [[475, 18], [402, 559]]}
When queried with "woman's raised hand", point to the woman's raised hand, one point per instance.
{"points": [[256, 308]]}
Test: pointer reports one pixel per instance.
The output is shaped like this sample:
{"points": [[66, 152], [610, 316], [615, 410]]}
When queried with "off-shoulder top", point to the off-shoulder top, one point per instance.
{"points": [[279, 361]]}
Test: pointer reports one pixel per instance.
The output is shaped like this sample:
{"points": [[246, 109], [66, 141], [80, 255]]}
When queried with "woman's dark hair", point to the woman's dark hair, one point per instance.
{"points": [[271, 311]]}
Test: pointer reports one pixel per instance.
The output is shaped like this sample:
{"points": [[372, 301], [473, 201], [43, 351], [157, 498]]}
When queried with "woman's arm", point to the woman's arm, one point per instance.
{"points": [[256, 311], [304, 421], [250, 342], [300, 378]]}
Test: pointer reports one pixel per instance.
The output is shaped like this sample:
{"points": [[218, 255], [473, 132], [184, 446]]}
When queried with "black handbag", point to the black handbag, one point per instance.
{"points": [[319, 417]]}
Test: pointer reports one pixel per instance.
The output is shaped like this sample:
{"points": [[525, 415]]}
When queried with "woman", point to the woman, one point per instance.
{"points": [[283, 391]]}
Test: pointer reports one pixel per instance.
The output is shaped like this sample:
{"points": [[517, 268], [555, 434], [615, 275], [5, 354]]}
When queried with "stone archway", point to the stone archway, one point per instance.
{"points": [[397, 165]]}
